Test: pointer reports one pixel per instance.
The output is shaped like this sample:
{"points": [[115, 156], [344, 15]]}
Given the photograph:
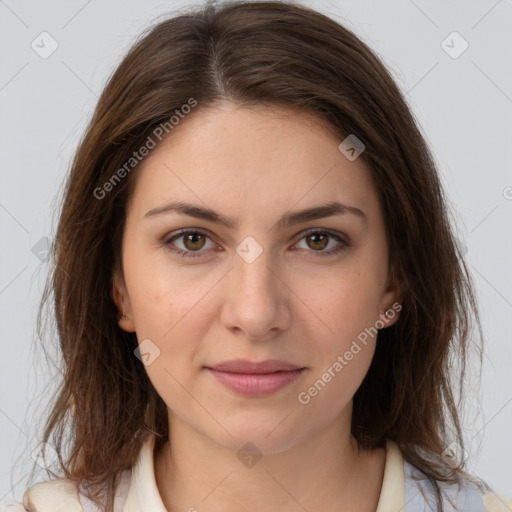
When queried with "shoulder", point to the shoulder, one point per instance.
{"points": [[49, 496], [13, 507], [496, 502], [63, 495], [464, 496]]}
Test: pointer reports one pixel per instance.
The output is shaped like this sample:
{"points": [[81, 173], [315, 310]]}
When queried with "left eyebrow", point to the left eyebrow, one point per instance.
{"points": [[287, 220]]}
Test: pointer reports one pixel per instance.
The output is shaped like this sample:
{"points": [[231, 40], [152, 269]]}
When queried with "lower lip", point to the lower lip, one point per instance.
{"points": [[256, 384]]}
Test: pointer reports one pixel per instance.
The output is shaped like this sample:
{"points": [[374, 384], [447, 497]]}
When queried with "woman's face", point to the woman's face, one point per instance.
{"points": [[266, 284]]}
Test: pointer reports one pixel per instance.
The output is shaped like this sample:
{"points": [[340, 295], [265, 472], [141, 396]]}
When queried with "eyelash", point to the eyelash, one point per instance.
{"points": [[194, 254]]}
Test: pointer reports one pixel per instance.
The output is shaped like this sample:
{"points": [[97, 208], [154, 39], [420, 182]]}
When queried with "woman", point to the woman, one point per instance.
{"points": [[258, 292]]}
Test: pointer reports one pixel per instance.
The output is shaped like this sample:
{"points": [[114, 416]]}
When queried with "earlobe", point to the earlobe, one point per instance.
{"points": [[121, 300], [126, 324], [392, 314], [392, 302]]}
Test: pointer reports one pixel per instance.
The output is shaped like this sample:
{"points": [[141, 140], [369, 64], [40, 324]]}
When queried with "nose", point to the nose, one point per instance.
{"points": [[257, 300]]}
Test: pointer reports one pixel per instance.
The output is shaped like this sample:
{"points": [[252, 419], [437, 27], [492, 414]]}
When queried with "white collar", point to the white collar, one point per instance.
{"points": [[144, 494]]}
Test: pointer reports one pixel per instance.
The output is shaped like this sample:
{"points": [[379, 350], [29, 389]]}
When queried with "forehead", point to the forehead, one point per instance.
{"points": [[257, 160]]}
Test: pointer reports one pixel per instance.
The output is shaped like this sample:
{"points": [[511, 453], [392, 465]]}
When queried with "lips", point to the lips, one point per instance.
{"points": [[246, 366], [252, 378]]}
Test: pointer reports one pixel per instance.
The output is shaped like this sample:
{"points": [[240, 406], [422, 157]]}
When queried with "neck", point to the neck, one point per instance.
{"points": [[325, 472]]}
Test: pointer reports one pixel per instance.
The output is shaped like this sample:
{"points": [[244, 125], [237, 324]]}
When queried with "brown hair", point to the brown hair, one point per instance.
{"points": [[252, 54]]}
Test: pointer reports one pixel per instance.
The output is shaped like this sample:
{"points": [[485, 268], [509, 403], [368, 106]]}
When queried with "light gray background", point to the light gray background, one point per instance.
{"points": [[463, 105]]}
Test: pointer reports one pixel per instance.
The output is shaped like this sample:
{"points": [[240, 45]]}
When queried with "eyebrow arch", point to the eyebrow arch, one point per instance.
{"points": [[289, 219]]}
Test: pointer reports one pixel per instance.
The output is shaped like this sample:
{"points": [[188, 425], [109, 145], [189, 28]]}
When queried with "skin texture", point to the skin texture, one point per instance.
{"points": [[290, 303]]}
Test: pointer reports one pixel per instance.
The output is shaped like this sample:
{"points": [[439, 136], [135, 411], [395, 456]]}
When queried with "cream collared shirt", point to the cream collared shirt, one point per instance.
{"points": [[138, 491]]}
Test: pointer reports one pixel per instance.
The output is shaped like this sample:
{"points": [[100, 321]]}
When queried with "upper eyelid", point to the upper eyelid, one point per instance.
{"points": [[185, 231]]}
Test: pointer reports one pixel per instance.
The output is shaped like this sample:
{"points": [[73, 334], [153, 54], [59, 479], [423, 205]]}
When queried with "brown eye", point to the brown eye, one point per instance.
{"points": [[194, 241], [188, 243], [318, 240]]}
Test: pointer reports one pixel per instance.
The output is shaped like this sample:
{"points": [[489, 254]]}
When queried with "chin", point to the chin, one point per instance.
{"points": [[264, 435]]}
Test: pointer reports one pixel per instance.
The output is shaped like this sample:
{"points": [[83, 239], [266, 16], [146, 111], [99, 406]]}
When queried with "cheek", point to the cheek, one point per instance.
{"points": [[344, 339], [329, 392], [345, 307], [343, 358], [170, 318], [174, 310], [162, 295]]}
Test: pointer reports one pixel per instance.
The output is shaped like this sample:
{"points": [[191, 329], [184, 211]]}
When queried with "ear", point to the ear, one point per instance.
{"points": [[122, 301], [391, 301]]}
